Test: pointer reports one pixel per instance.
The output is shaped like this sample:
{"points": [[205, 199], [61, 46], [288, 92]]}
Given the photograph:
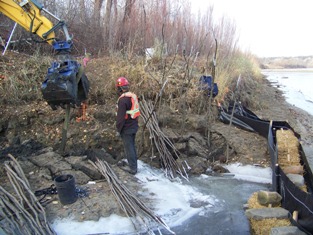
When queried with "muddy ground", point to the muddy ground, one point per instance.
{"points": [[32, 134]]}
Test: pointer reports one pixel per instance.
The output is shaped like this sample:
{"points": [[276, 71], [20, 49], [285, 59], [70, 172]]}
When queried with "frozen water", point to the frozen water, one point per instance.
{"points": [[204, 205]]}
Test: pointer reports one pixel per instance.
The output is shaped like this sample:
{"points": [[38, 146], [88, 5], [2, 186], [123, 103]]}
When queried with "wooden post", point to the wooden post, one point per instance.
{"points": [[65, 127], [295, 215]]}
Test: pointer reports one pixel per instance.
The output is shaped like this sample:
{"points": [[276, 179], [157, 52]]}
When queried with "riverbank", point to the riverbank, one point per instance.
{"points": [[280, 110], [295, 84], [32, 132]]}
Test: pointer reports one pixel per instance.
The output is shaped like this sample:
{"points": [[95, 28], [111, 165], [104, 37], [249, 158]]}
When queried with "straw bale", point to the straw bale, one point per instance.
{"points": [[288, 155], [288, 136], [263, 227], [288, 152], [288, 148], [294, 169], [253, 202]]}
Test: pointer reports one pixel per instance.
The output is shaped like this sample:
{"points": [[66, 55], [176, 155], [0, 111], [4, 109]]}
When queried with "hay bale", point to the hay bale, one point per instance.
{"points": [[295, 169], [260, 227], [254, 203], [288, 153], [263, 227], [288, 148]]}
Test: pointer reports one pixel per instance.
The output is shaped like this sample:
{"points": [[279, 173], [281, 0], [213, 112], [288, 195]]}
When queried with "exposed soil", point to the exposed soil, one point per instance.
{"points": [[32, 133]]}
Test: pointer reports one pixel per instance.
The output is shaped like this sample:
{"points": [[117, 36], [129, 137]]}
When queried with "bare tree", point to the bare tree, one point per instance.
{"points": [[124, 33], [141, 23], [107, 22], [82, 12], [97, 12]]}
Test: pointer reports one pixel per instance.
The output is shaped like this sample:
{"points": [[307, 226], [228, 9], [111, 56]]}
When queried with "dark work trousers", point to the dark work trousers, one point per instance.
{"points": [[128, 137]]}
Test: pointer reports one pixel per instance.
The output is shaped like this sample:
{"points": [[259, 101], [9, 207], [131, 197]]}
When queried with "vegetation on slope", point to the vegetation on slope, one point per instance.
{"points": [[185, 48]]}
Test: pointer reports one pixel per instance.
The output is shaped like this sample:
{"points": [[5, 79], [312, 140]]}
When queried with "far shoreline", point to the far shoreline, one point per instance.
{"points": [[289, 69]]}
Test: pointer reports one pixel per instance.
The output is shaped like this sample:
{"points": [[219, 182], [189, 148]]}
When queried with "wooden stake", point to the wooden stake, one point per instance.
{"points": [[295, 215]]}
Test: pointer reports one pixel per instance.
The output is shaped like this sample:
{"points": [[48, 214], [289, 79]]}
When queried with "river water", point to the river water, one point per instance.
{"points": [[296, 84], [227, 216]]}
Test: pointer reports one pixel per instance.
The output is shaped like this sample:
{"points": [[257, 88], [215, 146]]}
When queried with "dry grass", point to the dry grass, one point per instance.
{"points": [[24, 76], [181, 90]]}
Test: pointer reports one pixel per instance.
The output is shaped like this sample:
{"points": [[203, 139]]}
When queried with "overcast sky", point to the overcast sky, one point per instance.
{"points": [[269, 27]]}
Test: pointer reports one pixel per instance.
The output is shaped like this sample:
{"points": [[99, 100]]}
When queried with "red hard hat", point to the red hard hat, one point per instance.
{"points": [[122, 82]]}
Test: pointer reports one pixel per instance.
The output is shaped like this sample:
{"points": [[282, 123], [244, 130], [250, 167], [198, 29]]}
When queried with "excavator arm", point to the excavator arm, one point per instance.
{"points": [[65, 82], [28, 15]]}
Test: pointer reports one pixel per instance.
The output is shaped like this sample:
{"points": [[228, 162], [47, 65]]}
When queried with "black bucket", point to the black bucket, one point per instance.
{"points": [[66, 189]]}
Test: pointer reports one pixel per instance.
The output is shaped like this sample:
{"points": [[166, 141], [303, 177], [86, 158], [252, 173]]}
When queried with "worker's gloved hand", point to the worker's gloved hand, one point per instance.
{"points": [[117, 134]]}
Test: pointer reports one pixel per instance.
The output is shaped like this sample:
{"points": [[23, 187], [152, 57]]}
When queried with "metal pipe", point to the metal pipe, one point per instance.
{"points": [[48, 12], [8, 43]]}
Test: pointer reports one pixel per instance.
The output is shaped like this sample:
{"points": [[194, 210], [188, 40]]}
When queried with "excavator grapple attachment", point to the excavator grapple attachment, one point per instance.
{"points": [[65, 83]]}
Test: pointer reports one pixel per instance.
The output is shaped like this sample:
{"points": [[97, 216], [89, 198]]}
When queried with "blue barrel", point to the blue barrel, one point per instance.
{"points": [[65, 185]]}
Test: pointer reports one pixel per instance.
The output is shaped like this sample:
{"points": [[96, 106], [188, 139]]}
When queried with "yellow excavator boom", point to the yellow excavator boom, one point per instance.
{"points": [[28, 15], [65, 83]]}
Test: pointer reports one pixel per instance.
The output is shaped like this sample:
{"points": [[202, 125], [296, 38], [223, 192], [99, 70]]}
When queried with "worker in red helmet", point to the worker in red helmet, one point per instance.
{"points": [[127, 122]]}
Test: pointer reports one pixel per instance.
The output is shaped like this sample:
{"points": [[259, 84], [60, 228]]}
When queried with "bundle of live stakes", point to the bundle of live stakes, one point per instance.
{"points": [[132, 206], [21, 212], [162, 143]]}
